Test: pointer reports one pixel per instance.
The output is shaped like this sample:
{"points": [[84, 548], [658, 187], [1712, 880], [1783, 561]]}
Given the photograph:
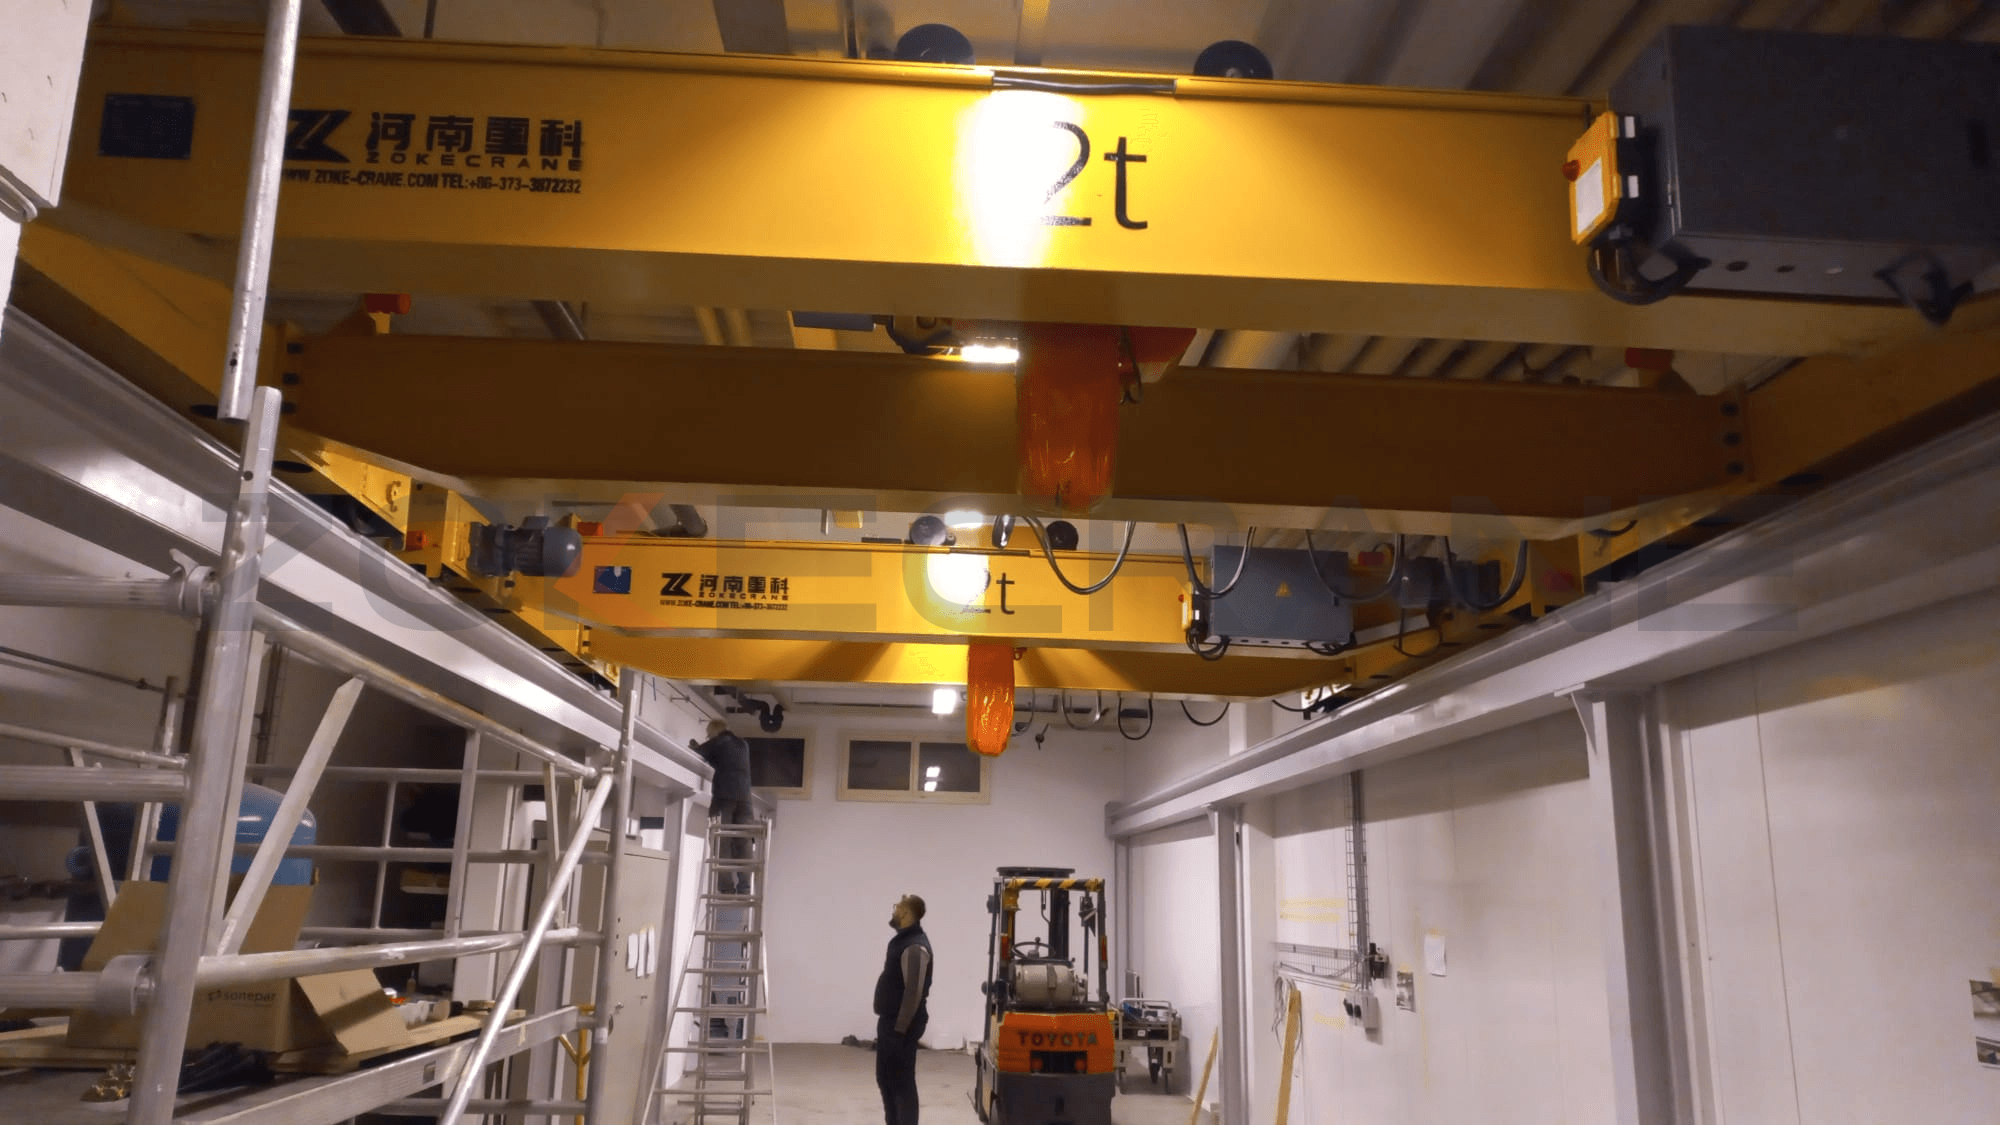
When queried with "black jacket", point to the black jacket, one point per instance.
{"points": [[907, 967], [730, 756]]}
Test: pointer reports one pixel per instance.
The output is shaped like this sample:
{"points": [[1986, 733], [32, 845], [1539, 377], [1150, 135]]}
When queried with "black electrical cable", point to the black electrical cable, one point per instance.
{"points": [[1944, 298], [1121, 718], [1187, 556], [1034, 708], [1049, 554], [1213, 652], [1293, 710], [52, 662], [1653, 290], [1612, 532], [1507, 595], [1198, 722], [1388, 584], [1059, 86], [1402, 623]]}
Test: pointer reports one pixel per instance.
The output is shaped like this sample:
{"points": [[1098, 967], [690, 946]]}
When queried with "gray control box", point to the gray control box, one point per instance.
{"points": [[1804, 164], [1279, 601]]}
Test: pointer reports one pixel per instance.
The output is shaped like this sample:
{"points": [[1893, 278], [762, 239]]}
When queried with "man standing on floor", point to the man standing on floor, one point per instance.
{"points": [[900, 1011], [729, 795]]}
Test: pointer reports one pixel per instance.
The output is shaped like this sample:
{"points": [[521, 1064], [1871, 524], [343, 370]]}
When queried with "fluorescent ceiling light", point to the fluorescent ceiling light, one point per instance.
{"points": [[1000, 354], [964, 518], [944, 700], [930, 786]]}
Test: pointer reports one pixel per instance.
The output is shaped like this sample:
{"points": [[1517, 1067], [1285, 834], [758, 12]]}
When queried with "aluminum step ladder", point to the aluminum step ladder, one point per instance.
{"points": [[722, 985]]}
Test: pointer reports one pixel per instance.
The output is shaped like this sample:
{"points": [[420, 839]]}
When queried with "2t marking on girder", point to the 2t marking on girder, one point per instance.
{"points": [[1122, 195]]}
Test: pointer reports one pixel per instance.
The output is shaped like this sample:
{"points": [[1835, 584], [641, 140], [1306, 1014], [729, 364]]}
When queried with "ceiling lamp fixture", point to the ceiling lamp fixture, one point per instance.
{"points": [[944, 700], [1002, 355]]}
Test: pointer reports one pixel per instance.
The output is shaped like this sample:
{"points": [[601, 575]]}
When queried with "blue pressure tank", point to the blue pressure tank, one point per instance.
{"points": [[253, 821]]}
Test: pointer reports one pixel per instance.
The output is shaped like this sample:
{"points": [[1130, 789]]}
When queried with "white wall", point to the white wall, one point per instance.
{"points": [[839, 866], [1840, 849], [1178, 748], [1846, 832], [130, 644], [1484, 844], [1176, 939]]}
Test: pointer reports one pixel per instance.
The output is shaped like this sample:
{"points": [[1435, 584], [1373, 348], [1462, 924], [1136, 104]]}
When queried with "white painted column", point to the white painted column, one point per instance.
{"points": [[1617, 726], [41, 56], [1231, 1061]]}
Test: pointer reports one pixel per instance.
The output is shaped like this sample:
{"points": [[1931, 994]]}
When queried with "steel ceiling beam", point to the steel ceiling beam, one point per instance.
{"points": [[363, 17], [755, 27], [1264, 205]]}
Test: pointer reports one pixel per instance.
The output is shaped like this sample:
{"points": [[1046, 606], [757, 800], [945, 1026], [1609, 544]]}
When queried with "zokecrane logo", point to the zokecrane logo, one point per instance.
{"points": [[305, 138], [676, 585]]}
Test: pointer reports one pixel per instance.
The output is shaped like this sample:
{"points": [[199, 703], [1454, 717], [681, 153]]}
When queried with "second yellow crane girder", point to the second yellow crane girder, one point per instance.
{"points": [[844, 430], [697, 587]]}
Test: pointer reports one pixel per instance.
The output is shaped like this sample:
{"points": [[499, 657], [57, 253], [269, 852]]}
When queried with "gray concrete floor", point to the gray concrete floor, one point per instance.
{"points": [[816, 1084], [828, 1085]]}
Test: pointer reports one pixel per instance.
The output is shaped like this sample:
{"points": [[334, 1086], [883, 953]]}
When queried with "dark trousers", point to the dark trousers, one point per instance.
{"points": [[731, 811], [896, 1074]]}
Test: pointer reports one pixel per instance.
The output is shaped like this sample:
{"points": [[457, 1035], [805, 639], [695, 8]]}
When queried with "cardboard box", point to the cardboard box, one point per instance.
{"points": [[346, 1008]]}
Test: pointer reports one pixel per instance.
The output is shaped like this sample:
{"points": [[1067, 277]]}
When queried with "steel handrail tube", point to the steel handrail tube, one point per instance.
{"points": [[245, 968], [68, 783], [290, 635], [66, 591], [90, 746], [565, 870], [216, 757]]}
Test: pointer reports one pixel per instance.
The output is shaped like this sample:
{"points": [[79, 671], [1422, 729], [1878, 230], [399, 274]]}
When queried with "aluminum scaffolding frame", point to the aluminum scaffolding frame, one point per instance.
{"points": [[137, 985], [82, 450], [78, 446]]}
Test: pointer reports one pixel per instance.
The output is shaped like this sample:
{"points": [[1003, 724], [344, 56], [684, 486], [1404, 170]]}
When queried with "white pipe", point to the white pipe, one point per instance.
{"points": [[278, 834], [72, 592], [260, 212], [100, 856], [67, 783], [244, 968], [44, 931], [48, 990], [99, 749]]}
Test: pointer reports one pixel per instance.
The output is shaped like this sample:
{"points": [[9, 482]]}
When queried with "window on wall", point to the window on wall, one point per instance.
{"points": [[888, 768], [781, 766]]}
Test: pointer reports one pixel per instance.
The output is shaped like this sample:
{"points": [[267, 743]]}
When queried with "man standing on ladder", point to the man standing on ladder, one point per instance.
{"points": [[729, 799], [901, 1013]]}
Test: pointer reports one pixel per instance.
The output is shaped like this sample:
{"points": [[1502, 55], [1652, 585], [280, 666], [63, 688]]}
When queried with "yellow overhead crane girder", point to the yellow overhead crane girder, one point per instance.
{"points": [[875, 187], [882, 591], [846, 430], [893, 613]]}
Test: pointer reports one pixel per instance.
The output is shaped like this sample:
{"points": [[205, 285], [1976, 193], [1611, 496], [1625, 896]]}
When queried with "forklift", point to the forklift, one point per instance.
{"points": [[1050, 1052]]}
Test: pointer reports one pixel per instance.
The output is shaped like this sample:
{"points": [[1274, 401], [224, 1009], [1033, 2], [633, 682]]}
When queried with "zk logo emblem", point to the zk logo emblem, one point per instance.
{"points": [[676, 585], [305, 138]]}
